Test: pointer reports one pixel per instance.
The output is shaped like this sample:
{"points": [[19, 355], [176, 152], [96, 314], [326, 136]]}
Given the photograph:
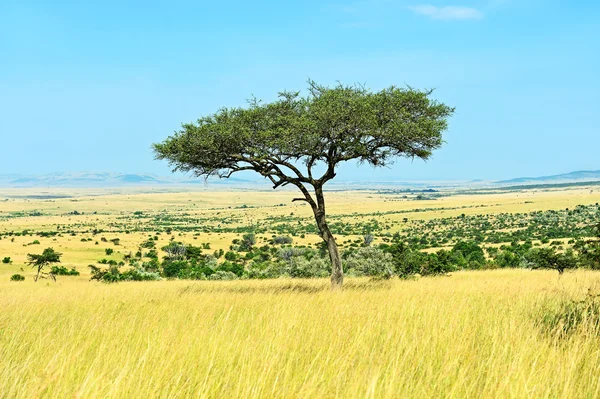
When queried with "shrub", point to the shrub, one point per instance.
{"points": [[113, 275], [17, 277], [316, 267], [248, 241], [172, 269], [231, 256], [7, 260], [370, 261], [282, 240], [548, 258], [569, 316], [63, 271], [109, 251], [231, 267], [222, 275], [367, 240], [468, 255]]}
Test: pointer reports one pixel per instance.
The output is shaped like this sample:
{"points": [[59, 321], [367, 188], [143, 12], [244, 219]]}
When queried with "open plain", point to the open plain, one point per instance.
{"points": [[465, 334]]}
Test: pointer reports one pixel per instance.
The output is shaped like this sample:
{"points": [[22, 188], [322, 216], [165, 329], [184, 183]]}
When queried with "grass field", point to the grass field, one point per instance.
{"points": [[472, 334]]}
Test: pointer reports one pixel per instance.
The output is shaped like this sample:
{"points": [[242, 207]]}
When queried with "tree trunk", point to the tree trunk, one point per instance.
{"points": [[337, 271]]}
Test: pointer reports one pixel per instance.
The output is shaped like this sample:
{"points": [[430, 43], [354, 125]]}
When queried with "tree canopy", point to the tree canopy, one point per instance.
{"points": [[328, 125]]}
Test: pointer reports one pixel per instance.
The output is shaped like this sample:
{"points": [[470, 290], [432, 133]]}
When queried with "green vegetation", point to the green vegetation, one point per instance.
{"points": [[63, 271], [320, 131], [40, 261]]}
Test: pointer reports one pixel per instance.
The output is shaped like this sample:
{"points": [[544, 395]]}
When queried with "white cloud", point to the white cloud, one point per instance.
{"points": [[447, 13]]}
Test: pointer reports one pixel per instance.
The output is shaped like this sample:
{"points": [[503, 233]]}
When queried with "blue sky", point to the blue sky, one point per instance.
{"points": [[89, 87]]}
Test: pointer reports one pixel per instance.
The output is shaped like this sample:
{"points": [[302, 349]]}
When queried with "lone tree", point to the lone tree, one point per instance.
{"points": [[300, 140], [40, 261]]}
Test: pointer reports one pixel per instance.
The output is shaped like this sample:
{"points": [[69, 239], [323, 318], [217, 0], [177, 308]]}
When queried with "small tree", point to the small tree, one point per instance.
{"points": [[548, 258], [248, 241], [368, 239], [46, 258], [301, 140]]}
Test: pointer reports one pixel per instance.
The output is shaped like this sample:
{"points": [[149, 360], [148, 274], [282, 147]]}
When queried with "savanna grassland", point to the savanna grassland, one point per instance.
{"points": [[474, 334], [218, 217], [506, 332]]}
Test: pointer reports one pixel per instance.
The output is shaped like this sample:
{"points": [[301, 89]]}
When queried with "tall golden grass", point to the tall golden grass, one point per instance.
{"points": [[473, 334]]}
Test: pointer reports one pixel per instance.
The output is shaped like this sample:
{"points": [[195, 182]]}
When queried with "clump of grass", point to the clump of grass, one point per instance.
{"points": [[17, 277], [569, 316]]}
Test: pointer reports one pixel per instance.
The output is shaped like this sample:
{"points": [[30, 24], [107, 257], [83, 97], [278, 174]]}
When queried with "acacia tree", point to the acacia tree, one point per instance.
{"points": [[300, 140], [40, 261]]}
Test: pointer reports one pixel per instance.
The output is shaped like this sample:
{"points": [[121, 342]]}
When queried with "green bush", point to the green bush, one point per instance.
{"points": [[370, 261], [63, 271], [222, 275], [231, 267], [17, 277], [113, 275], [315, 267], [282, 240], [7, 260], [172, 269]]}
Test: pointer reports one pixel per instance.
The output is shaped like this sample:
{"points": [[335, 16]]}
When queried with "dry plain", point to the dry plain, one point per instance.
{"points": [[470, 334]]}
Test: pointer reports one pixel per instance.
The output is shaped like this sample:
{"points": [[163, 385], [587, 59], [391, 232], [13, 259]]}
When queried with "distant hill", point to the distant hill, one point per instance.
{"points": [[581, 175], [88, 179], [108, 179]]}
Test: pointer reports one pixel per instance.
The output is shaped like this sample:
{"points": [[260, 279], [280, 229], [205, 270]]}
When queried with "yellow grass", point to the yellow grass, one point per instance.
{"points": [[472, 334], [469, 335]]}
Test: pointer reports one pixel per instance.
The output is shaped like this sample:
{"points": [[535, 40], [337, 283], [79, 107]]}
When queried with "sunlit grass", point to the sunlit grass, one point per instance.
{"points": [[473, 334]]}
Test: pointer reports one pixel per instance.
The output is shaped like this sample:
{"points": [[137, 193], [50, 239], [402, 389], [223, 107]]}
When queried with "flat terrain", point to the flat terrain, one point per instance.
{"points": [[218, 217]]}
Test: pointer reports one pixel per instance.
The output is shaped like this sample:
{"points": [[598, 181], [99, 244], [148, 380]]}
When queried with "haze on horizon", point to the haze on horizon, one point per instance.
{"points": [[90, 87]]}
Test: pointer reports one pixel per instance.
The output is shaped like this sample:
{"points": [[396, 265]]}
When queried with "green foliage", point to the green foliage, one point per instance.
{"points": [[549, 258], [109, 251], [370, 261], [590, 249], [331, 125], [222, 275], [40, 261], [173, 269], [468, 255], [282, 240], [231, 267], [410, 262], [7, 260], [63, 271], [298, 263], [149, 244], [112, 274], [248, 241], [17, 277]]}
